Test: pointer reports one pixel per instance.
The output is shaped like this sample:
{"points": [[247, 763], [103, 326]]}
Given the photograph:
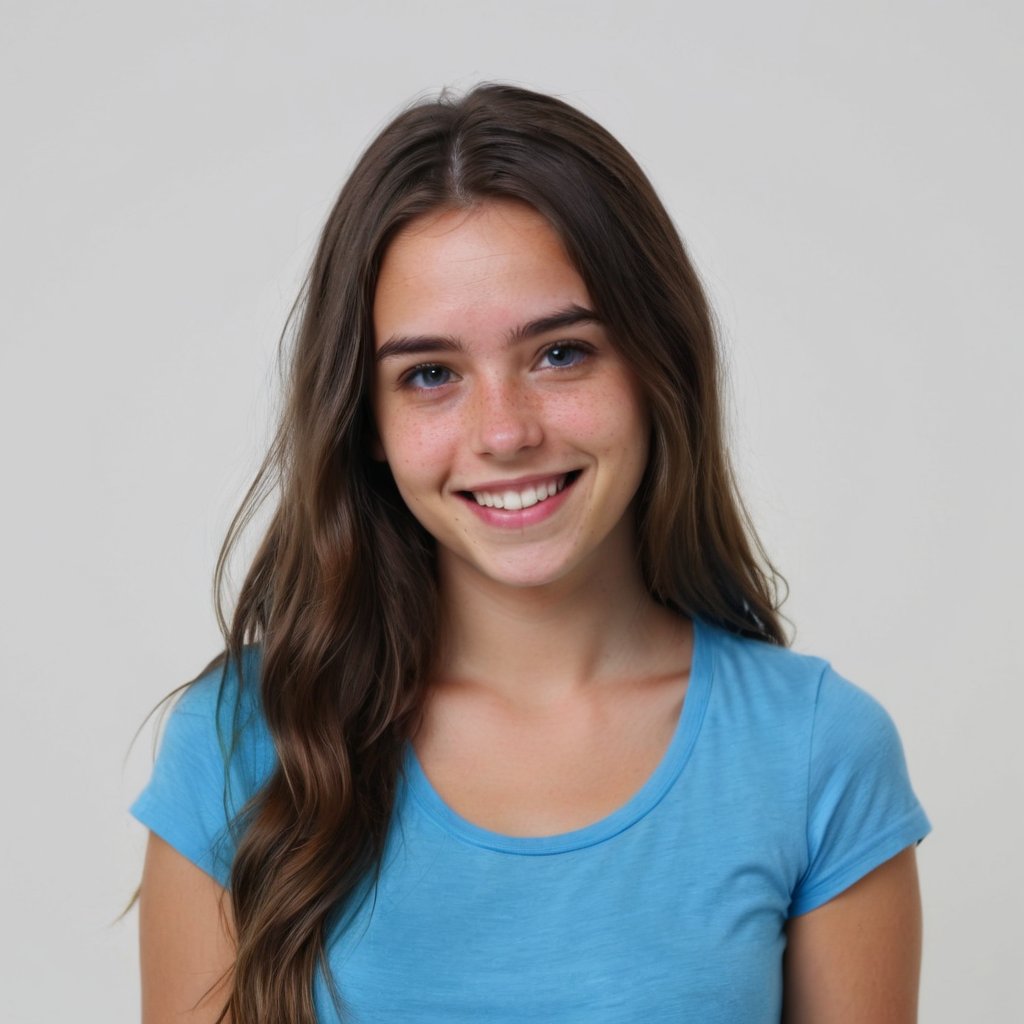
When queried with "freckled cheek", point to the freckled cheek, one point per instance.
{"points": [[419, 453], [612, 422]]}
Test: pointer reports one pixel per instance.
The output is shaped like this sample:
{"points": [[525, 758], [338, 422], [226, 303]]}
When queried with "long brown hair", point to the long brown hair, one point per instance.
{"points": [[341, 595]]}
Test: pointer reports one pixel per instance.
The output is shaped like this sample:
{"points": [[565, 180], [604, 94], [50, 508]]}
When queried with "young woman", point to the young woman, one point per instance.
{"points": [[506, 727]]}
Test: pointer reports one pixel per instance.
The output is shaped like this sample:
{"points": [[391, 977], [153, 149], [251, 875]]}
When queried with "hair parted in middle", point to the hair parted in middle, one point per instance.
{"points": [[341, 595]]}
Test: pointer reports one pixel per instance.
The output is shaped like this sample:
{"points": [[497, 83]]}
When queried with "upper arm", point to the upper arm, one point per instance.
{"points": [[857, 958], [186, 939]]}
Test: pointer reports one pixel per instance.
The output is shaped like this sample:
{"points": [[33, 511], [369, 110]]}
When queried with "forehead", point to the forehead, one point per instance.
{"points": [[489, 266]]}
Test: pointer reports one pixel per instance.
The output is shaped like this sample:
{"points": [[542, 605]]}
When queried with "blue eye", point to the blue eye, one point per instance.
{"points": [[428, 376], [565, 354]]}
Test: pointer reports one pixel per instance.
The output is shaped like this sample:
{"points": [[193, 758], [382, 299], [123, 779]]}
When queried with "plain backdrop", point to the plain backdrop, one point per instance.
{"points": [[847, 177]]}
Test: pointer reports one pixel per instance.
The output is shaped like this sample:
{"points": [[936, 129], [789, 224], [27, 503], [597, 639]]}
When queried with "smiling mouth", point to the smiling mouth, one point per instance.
{"points": [[523, 497]]}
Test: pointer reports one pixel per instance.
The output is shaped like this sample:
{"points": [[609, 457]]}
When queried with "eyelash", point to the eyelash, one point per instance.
{"points": [[581, 350], [407, 380]]}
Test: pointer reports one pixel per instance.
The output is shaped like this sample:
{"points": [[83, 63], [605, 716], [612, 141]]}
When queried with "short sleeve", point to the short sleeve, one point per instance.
{"points": [[189, 800], [861, 808]]}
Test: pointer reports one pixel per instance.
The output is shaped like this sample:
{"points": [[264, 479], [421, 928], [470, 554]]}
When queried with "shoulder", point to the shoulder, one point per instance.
{"points": [[759, 679], [223, 712], [788, 680], [777, 703], [819, 748], [223, 684], [215, 753]]}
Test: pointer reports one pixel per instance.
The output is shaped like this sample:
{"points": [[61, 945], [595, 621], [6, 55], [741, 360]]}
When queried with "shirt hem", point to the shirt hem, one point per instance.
{"points": [[909, 832]]}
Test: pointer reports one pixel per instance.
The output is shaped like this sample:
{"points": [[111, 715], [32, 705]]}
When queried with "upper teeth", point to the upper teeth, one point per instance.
{"points": [[522, 498]]}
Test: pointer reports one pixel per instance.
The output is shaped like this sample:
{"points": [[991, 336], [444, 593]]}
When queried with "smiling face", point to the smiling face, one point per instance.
{"points": [[515, 432]]}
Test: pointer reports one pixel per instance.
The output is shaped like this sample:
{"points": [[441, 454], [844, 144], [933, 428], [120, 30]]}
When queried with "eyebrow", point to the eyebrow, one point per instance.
{"points": [[424, 344]]}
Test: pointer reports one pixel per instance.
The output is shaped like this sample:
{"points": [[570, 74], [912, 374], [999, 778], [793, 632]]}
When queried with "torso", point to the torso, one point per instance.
{"points": [[553, 770]]}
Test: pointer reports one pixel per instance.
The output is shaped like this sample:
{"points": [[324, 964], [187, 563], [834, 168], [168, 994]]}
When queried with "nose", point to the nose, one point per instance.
{"points": [[504, 419]]}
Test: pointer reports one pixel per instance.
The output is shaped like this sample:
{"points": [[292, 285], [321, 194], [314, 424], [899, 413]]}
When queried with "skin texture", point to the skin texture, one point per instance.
{"points": [[495, 411], [185, 944], [857, 958], [549, 630]]}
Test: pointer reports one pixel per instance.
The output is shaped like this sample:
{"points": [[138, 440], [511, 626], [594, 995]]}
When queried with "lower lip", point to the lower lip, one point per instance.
{"points": [[513, 519]]}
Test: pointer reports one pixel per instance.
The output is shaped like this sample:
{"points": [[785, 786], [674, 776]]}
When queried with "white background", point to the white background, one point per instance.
{"points": [[847, 177]]}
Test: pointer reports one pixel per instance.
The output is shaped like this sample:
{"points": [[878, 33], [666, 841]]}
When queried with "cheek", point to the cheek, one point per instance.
{"points": [[417, 448], [612, 421]]}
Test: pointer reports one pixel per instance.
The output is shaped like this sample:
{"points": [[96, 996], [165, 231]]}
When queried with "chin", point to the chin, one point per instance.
{"points": [[526, 574]]}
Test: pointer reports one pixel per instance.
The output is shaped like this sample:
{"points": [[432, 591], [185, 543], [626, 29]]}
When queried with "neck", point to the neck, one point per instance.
{"points": [[538, 646]]}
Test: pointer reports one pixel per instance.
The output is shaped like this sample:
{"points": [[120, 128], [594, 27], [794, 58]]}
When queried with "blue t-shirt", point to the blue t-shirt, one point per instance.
{"points": [[783, 785]]}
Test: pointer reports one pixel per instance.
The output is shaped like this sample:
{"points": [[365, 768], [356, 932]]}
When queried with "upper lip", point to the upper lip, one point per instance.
{"points": [[518, 483]]}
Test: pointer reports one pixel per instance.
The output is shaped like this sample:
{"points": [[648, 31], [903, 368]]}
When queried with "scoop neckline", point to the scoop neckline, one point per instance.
{"points": [[642, 802]]}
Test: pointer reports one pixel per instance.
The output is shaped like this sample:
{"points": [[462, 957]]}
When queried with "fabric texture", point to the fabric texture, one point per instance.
{"points": [[783, 785]]}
